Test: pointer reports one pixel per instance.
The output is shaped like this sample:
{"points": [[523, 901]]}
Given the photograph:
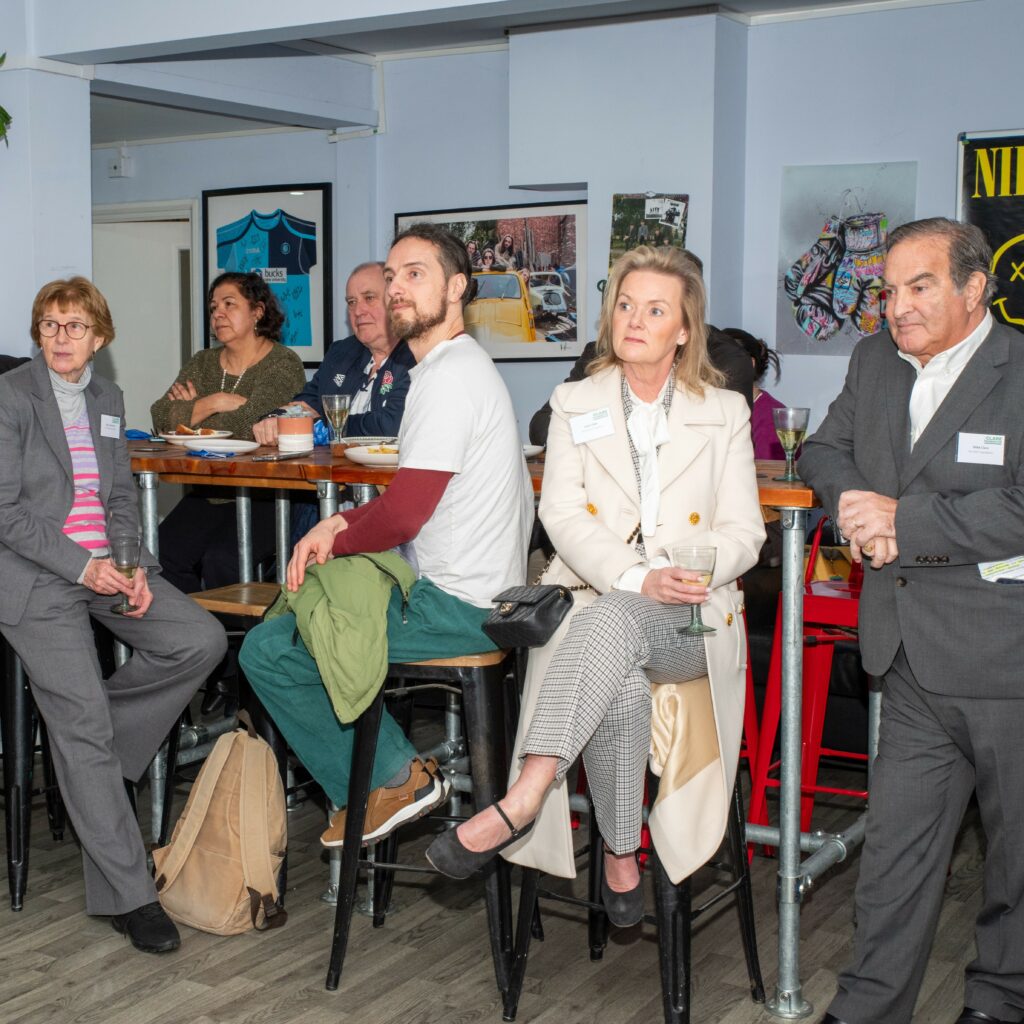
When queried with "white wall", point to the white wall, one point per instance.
{"points": [[885, 86]]}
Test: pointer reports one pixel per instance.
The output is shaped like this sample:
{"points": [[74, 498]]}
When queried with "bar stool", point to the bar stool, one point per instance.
{"points": [[488, 704], [830, 615], [674, 916]]}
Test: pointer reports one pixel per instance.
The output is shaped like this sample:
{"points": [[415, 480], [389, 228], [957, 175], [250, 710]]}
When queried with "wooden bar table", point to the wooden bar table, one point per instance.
{"points": [[326, 474]]}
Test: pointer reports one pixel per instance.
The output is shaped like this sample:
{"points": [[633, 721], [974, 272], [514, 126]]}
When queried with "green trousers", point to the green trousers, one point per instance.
{"points": [[284, 676]]}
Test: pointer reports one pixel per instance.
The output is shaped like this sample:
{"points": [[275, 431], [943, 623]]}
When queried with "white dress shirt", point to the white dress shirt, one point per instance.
{"points": [[936, 378]]}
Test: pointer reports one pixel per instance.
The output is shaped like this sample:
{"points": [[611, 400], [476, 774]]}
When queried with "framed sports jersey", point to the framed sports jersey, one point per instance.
{"points": [[282, 233]]}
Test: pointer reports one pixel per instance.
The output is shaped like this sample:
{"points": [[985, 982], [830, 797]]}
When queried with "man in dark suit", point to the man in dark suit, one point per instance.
{"points": [[921, 459]]}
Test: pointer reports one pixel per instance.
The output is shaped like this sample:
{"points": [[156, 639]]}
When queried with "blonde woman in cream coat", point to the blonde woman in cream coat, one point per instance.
{"points": [[643, 454]]}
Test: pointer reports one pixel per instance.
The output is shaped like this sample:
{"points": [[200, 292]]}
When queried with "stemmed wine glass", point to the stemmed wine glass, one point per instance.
{"points": [[791, 429], [697, 559], [125, 550], [336, 409]]}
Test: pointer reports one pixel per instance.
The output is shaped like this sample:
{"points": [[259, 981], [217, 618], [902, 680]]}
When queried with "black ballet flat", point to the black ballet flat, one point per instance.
{"points": [[449, 856]]}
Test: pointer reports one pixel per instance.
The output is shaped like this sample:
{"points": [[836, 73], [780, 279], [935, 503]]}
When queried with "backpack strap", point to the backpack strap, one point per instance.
{"points": [[199, 803], [254, 840]]}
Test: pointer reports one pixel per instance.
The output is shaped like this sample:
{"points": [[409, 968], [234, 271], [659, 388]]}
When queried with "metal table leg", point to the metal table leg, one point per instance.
{"points": [[327, 495], [148, 484], [788, 1000], [243, 516], [282, 528]]}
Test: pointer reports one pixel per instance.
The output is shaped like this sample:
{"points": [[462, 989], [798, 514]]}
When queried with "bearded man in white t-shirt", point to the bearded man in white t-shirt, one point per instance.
{"points": [[460, 506]]}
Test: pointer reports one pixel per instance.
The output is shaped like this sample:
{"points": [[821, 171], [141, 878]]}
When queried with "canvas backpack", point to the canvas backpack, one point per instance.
{"points": [[219, 871]]}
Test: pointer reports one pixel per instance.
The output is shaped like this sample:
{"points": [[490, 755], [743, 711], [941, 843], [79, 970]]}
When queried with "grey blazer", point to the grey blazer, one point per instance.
{"points": [[961, 635], [37, 484]]}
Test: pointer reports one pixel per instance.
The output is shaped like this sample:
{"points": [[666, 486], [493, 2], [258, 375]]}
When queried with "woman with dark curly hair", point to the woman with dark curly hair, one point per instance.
{"points": [[226, 387]]}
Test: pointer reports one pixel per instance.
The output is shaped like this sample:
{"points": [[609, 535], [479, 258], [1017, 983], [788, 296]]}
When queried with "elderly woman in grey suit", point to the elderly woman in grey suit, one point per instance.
{"points": [[65, 489], [643, 454]]}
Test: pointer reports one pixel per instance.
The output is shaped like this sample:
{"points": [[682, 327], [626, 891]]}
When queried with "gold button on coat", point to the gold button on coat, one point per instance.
{"points": [[694, 518], [592, 509], [728, 619]]}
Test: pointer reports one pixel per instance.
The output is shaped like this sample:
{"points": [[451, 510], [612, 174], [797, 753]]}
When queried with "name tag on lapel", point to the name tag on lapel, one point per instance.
{"points": [[591, 425], [986, 449], [110, 426]]}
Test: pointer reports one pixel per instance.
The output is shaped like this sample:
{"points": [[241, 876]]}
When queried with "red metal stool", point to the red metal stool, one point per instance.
{"points": [[830, 614]]}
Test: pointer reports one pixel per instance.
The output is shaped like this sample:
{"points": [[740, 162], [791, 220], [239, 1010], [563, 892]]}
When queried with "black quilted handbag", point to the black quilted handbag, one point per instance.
{"points": [[527, 616]]}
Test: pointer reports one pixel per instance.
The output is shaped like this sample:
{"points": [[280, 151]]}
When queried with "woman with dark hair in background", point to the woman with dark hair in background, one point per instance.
{"points": [[762, 427], [226, 387]]}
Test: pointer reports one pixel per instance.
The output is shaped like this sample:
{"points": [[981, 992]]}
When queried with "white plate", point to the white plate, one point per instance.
{"points": [[372, 440], [220, 444], [365, 457], [530, 450], [185, 438]]}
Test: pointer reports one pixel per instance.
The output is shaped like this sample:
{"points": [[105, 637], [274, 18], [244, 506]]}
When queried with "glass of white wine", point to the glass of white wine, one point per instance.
{"points": [[125, 550], [336, 413], [696, 559], [791, 429]]}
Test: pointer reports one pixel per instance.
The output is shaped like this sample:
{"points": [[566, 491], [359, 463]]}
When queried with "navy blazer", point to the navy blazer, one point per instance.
{"points": [[341, 373]]}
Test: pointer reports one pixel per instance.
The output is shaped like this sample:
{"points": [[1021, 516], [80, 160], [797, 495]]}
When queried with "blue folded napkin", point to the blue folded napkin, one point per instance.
{"points": [[321, 434], [137, 435], [204, 454]]}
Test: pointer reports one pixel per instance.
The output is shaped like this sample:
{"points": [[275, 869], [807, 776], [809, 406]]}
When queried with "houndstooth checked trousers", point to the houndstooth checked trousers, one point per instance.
{"points": [[596, 700]]}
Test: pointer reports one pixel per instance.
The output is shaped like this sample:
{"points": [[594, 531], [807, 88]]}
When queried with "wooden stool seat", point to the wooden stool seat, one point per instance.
{"points": [[250, 599], [465, 661]]}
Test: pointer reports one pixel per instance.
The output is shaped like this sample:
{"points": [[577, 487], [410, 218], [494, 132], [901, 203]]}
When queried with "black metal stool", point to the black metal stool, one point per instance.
{"points": [[673, 916], [486, 701], [19, 720]]}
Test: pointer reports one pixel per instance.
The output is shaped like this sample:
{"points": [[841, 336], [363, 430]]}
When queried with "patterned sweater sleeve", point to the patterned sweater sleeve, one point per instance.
{"points": [[270, 383]]}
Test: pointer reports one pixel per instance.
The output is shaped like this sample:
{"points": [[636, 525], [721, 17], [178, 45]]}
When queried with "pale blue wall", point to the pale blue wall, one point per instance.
{"points": [[885, 86]]}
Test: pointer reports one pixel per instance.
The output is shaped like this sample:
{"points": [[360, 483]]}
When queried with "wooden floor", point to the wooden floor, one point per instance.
{"points": [[429, 963]]}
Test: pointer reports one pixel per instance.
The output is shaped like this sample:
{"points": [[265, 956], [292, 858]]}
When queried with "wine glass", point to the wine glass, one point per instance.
{"points": [[336, 413], [791, 429], [697, 559], [125, 549]]}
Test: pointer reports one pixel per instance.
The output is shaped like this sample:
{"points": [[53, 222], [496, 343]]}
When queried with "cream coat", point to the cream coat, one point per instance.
{"points": [[589, 506]]}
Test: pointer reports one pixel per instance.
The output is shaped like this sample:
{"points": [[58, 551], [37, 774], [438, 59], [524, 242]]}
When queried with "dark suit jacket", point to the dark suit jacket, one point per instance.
{"points": [[341, 373], [37, 483], [726, 354], [961, 634]]}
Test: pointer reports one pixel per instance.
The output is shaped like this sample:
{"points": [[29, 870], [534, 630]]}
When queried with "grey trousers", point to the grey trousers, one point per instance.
{"points": [[934, 750], [596, 700], [105, 730]]}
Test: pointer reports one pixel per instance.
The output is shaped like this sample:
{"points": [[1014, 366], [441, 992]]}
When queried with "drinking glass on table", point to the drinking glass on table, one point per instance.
{"points": [[125, 550], [696, 559], [791, 429], [336, 413]]}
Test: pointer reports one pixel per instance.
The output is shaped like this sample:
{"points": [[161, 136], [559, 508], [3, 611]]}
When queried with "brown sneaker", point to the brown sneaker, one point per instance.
{"points": [[386, 809]]}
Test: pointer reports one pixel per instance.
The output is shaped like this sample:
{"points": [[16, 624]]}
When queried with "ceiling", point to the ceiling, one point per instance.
{"points": [[116, 121]]}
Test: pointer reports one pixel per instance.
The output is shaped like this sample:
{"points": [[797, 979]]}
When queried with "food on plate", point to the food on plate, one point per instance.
{"points": [[382, 450], [182, 430]]}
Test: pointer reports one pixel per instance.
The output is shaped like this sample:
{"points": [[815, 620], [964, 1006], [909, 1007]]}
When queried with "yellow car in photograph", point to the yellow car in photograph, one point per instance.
{"points": [[501, 310]]}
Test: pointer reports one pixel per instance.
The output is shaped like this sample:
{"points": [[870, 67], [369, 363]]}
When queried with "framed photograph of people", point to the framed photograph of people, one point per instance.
{"points": [[282, 232], [530, 285]]}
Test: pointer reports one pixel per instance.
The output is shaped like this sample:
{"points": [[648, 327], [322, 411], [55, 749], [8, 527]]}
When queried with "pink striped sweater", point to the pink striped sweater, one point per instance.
{"points": [[86, 523]]}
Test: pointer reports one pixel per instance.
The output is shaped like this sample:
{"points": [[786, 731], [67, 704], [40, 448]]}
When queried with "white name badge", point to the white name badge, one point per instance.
{"points": [[110, 426], [591, 425], [986, 449]]}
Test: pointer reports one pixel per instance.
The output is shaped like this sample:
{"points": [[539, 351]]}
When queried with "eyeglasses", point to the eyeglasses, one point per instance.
{"points": [[74, 329]]}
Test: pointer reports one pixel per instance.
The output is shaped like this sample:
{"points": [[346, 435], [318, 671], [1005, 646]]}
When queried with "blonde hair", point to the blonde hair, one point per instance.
{"points": [[694, 370]]}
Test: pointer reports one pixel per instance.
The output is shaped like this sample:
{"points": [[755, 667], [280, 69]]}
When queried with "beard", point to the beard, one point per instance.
{"points": [[411, 323]]}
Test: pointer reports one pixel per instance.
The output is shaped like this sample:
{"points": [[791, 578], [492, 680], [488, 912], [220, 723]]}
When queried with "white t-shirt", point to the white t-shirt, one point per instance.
{"points": [[459, 419]]}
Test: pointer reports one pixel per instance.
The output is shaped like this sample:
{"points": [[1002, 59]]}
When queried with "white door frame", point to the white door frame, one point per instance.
{"points": [[168, 209]]}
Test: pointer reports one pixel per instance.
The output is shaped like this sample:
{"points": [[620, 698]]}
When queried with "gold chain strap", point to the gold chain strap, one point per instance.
{"points": [[580, 586]]}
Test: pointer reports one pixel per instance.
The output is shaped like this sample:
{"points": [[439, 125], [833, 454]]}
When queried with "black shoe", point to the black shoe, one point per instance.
{"points": [[451, 858], [149, 928], [829, 1019], [970, 1016], [624, 909]]}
